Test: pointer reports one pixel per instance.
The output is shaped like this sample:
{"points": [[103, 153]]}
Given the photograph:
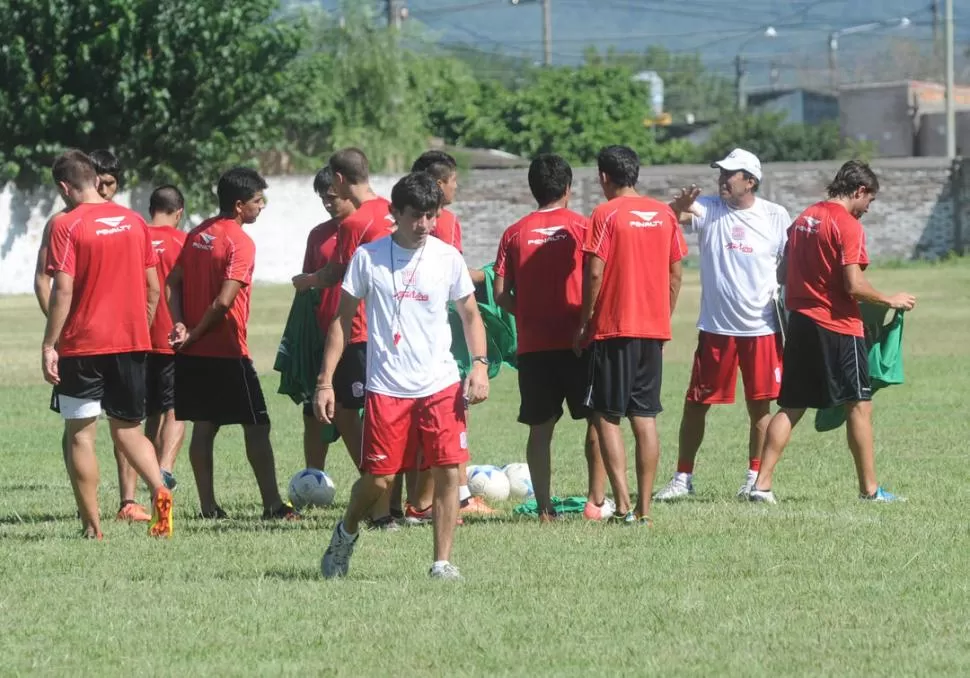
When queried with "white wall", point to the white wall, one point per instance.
{"points": [[280, 233]]}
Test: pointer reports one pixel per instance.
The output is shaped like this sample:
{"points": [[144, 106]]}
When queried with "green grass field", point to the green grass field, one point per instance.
{"points": [[819, 585]]}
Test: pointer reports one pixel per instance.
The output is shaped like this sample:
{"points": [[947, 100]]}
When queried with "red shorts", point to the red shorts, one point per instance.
{"points": [[396, 428], [714, 376]]}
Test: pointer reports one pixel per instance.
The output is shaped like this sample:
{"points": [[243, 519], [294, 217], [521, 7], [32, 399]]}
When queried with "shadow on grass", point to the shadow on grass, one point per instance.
{"points": [[33, 518], [294, 574]]}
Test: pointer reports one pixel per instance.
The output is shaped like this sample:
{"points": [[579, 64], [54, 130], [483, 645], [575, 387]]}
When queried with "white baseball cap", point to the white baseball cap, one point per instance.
{"points": [[740, 159]]}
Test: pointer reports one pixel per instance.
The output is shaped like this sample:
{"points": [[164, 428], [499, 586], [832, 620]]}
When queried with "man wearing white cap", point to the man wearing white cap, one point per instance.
{"points": [[741, 239]]}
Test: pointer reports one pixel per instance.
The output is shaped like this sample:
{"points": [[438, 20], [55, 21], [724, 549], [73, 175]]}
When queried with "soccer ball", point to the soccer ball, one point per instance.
{"points": [[488, 482], [311, 487], [520, 480]]}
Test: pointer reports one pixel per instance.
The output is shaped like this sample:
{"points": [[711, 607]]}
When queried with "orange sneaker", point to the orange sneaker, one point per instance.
{"points": [[477, 506], [161, 525], [133, 513]]}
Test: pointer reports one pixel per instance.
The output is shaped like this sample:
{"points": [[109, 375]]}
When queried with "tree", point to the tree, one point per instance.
{"points": [[768, 136]]}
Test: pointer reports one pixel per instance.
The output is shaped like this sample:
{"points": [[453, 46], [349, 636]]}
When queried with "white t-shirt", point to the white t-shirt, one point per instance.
{"points": [[739, 254], [406, 293]]}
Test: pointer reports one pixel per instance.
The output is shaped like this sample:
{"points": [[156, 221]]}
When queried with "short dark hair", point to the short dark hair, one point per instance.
{"points": [[351, 164], [417, 190], [438, 164], [850, 177], [621, 164], [550, 176], [167, 199], [323, 181], [238, 184], [75, 169], [106, 162], [751, 177]]}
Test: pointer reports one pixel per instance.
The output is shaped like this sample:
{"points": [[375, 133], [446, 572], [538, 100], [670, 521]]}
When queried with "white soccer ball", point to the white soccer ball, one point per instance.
{"points": [[488, 482], [520, 481], [311, 487]]}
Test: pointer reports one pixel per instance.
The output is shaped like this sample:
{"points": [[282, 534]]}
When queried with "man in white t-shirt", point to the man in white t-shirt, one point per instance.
{"points": [[741, 239], [414, 395]]}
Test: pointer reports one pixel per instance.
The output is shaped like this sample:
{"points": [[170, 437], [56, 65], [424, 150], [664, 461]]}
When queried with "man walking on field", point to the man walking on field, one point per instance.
{"points": [[741, 240], [415, 398], [826, 360]]}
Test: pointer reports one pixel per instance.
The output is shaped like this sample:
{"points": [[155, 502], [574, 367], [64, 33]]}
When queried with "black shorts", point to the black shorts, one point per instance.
{"points": [[221, 391], [625, 377], [822, 368], [116, 380], [546, 378], [159, 383], [350, 377]]}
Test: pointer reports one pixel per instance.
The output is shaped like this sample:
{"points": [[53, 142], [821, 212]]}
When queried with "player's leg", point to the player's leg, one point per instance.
{"points": [[608, 395], [541, 393], [859, 435], [259, 453], [761, 369], [441, 424], [314, 446], [82, 466], [129, 508], [201, 445], [643, 410], [387, 423], [169, 443], [598, 505], [161, 427]]}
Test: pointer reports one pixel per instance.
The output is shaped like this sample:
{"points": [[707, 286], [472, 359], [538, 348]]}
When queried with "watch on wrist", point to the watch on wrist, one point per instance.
{"points": [[481, 359]]}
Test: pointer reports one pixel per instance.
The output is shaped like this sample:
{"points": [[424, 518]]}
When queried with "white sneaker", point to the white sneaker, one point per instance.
{"points": [[745, 490], [679, 488], [445, 571], [762, 496], [336, 559]]}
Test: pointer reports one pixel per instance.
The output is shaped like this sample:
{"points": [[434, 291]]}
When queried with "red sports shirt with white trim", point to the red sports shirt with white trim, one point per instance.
{"points": [[370, 222], [448, 229], [167, 243]]}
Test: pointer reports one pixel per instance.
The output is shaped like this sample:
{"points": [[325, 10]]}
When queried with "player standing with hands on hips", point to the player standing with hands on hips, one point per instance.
{"points": [[414, 395]]}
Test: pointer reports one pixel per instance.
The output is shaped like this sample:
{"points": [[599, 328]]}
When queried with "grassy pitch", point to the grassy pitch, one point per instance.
{"points": [[819, 585]]}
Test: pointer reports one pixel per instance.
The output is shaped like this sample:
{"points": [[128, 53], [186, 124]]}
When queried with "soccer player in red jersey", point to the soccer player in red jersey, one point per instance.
{"points": [[539, 279], [826, 360], [97, 336], [216, 384], [166, 207], [321, 247], [414, 394], [108, 181], [631, 282]]}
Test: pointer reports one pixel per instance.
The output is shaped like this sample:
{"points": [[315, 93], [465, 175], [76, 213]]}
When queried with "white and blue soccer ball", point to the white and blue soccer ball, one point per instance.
{"points": [[488, 482], [520, 481], [311, 487]]}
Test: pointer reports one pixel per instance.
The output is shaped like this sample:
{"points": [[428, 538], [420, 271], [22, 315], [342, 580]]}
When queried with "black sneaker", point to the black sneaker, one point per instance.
{"points": [[216, 514], [284, 511], [385, 524]]}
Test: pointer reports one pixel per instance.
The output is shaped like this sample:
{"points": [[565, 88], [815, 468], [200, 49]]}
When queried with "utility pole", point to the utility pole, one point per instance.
{"points": [[739, 82], [951, 128], [833, 62], [547, 32], [935, 6], [395, 10]]}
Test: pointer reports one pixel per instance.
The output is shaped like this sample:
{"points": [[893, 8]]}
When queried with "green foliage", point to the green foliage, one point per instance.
{"points": [[768, 136]]}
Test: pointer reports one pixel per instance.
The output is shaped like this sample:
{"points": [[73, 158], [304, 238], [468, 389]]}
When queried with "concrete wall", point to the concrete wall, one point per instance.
{"points": [[914, 215]]}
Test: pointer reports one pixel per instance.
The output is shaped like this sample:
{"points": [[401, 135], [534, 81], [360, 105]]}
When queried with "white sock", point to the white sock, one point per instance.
{"points": [[464, 493], [438, 563], [685, 477], [344, 533]]}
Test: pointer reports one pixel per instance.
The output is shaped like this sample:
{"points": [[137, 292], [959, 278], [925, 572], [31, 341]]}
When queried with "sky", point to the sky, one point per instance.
{"points": [[716, 29]]}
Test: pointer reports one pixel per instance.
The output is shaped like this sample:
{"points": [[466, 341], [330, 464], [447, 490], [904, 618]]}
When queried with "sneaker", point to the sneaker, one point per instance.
{"points": [[762, 496], [881, 496], [680, 487], [745, 490], [445, 571], [551, 517], [385, 524], [169, 480], [336, 559], [134, 513], [414, 517], [215, 514], [161, 525], [628, 518], [284, 511], [604, 511], [476, 506]]}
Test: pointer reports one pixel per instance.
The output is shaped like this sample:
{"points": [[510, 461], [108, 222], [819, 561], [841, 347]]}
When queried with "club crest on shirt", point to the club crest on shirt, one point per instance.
{"points": [[738, 233]]}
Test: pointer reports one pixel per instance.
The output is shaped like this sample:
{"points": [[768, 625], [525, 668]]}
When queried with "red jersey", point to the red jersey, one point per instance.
{"points": [[371, 221], [448, 229], [823, 239], [167, 243], [215, 251], [106, 249], [541, 259], [321, 245], [638, 238]]}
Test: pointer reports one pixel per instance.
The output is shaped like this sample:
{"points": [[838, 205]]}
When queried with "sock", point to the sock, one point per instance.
{"points": [[686, 467], [464, 494], [438, 563], [344, 533], [754, 465]]}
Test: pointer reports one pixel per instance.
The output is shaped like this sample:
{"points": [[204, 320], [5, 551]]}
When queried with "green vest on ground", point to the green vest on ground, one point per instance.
{"points": [[885, 343]]}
